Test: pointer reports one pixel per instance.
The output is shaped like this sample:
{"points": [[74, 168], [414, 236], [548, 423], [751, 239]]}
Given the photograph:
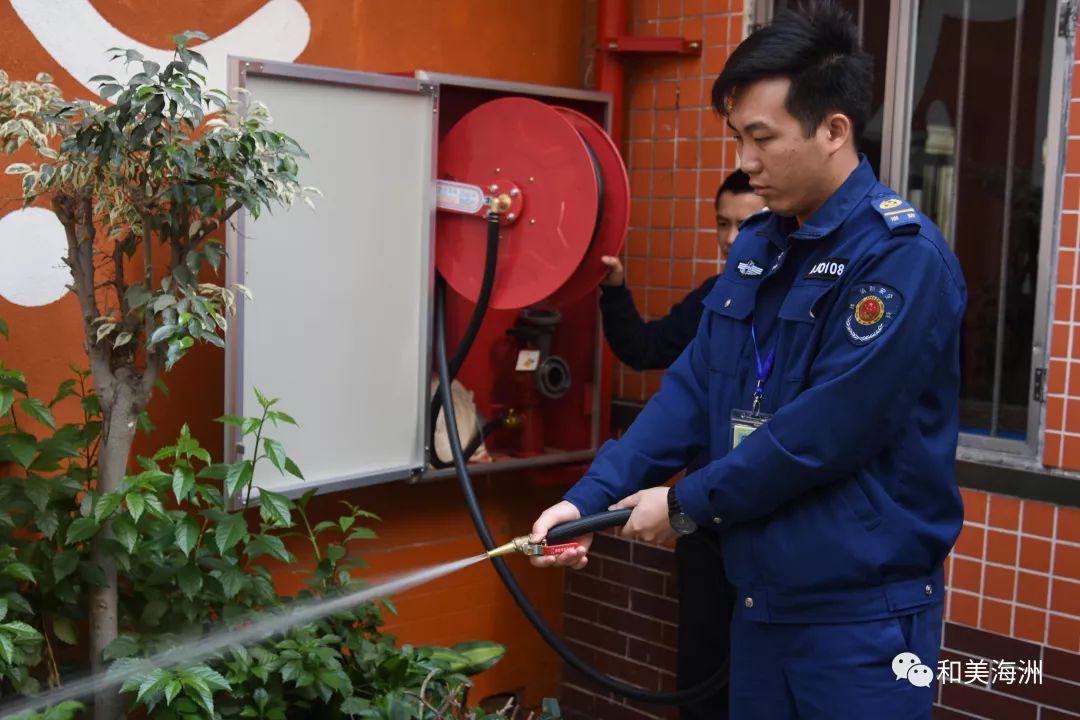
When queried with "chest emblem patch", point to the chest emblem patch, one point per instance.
{"points": [[748, 268], [872, 308]]}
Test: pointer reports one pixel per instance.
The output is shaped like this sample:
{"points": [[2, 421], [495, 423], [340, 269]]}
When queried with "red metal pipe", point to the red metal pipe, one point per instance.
{"points": [[612, 22]]}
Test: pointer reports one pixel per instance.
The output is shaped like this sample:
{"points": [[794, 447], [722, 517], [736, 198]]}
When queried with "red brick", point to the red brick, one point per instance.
{"points": [[1038, 518], [654, 607], [631, 576], [667, 96], [999, 582], [1030, 624], [653, 557], [970, 542], [580, 607], [611, 546], [975, 503], [996, 616], [633, 625], [1051, 449], [683, 246], [984, 704], [1064, 597], [1035, 554], [662, 183], [1055, 378], [1066, 267], [966, 574], [1063, 312], [1001, 547], [1032, 589], [1055, 420], [682, 274], [1004, 512], [594, 635], [1065, 633], [1071, 456], [601, 590], [648, 653], [627, 670], [1068, 523], [1067, 561]]}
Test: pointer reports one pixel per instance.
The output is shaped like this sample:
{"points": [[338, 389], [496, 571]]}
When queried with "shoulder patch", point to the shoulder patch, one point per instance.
{"points": [[756, 217], [897, 213], [871, 309]]}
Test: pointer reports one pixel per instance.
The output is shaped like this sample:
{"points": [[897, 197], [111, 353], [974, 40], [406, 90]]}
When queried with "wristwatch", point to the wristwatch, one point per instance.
{"points": [[680, 521]]}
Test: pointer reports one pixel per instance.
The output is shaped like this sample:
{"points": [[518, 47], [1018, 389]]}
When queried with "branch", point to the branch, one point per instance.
{"points": [[118, 277], [154, 358], [148, 265], [63, 205], [218, 222], [176, 241]]}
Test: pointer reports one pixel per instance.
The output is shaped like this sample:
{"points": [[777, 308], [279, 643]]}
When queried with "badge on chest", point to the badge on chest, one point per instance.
{"points": [[744, 422]]}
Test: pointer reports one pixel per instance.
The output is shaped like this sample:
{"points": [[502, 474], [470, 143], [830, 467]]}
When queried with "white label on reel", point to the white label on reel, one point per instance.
{"points": [[458, 197]]}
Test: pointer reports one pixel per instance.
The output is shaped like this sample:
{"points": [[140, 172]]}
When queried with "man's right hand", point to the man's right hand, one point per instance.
{"points": [[555, 515], [616, 275]]}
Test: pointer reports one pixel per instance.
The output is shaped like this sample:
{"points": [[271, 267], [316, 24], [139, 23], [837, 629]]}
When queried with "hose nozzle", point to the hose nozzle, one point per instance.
{"points": [[522, 545], [553, 545]]}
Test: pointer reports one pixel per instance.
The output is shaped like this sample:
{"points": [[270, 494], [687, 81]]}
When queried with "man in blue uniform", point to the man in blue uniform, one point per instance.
{"points": [[823, 382], [705, 598]]}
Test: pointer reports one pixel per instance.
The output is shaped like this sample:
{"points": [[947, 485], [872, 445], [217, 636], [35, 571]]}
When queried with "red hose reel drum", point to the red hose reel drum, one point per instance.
{"points": [[569, 202]]}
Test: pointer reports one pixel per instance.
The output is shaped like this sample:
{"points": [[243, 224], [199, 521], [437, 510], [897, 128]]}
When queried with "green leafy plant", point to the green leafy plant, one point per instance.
{"points": [[148, 178], [186, 564]]}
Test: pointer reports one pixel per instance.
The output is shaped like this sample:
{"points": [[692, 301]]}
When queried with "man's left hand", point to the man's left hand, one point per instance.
{"points": [[649, 521]]}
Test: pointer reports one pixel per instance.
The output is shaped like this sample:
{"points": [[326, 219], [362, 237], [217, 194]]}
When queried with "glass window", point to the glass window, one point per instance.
{"points": [[978, 125]]}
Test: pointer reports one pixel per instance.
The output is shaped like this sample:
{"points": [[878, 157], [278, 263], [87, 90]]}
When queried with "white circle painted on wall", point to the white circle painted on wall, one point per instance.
{"points": [[33, 246]]}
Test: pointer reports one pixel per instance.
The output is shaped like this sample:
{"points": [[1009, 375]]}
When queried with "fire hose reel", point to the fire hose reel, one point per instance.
{"points": [[561, 191]]}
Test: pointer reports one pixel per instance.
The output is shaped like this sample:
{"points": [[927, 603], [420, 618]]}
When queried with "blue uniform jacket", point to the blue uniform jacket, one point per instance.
{"points": [[844, 505], [650, 345]]}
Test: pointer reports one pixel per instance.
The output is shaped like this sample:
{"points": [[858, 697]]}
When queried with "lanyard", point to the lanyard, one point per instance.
{"points": [[764, 369]]}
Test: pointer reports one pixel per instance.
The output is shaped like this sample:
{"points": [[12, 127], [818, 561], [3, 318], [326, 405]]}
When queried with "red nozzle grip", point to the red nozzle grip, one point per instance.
{"points": [[560, 549]]}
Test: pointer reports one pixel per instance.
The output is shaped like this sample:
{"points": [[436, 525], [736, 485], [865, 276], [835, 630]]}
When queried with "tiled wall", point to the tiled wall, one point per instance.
{"points": [[1014, 576], [678, 152], [1015, 570]]}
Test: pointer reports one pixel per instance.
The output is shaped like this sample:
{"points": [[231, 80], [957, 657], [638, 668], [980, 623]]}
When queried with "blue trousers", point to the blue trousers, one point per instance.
{"points": [[835, 671]]}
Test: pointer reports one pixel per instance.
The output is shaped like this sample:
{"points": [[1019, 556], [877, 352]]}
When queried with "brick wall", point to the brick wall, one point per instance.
{"points": [[620, 614], [678, 153]]}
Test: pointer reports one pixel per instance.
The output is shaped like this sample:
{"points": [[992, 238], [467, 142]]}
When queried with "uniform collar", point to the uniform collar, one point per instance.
{"points": [[838, 207]]}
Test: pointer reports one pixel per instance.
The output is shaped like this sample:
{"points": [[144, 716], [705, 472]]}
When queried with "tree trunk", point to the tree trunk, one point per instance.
{"points": [[121, 404]]}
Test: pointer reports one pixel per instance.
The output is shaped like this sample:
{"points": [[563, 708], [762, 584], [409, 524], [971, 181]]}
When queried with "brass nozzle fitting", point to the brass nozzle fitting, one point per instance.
{"points": [[500, 203], [517, 545]]}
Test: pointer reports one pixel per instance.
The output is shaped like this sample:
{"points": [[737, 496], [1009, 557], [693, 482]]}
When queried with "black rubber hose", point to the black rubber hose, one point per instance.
{"points": [[477, 319], [633, 692]]}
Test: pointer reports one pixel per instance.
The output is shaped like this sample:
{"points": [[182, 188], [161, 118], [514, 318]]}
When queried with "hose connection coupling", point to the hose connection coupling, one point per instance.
{"points": [[523, 546]]}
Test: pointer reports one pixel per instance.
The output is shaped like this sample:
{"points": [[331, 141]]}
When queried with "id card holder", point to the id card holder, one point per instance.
{"points": [[744, 422]]}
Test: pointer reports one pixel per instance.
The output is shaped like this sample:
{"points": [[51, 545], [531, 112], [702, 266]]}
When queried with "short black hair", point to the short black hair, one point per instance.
{"points": [[816, 46], [737, 183]]}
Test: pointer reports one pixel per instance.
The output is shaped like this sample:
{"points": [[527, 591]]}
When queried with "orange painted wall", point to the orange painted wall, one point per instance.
{"points": [[536, 42]]}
